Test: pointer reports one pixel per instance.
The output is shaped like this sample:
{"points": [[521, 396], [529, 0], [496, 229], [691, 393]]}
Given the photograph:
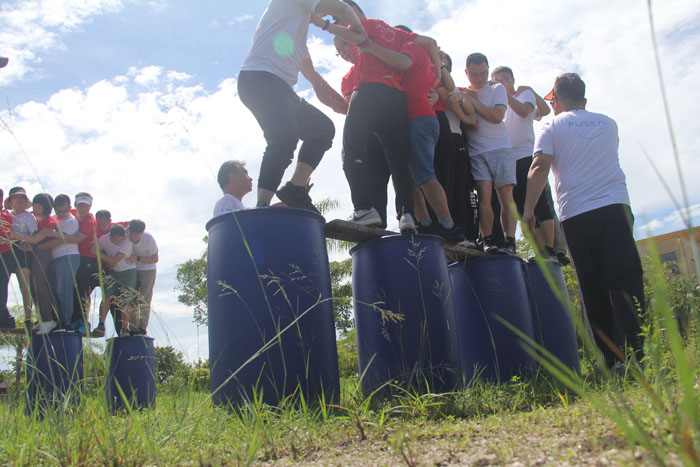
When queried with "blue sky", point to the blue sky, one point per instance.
{"points": [[135, 101]]}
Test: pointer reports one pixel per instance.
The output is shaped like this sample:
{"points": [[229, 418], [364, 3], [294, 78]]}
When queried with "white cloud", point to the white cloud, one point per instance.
{"points": [[242, 18], [31, 28]]}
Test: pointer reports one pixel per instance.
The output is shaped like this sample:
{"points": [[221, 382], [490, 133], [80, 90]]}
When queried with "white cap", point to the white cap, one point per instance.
{"points": [[83, 199]]}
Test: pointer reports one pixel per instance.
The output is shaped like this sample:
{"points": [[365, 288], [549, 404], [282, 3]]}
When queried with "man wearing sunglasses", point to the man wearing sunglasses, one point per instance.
{"points": [[581, 148]]}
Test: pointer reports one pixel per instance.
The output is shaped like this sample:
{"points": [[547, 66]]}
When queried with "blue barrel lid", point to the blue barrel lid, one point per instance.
{"points": [[229, 216], [394, 238]]}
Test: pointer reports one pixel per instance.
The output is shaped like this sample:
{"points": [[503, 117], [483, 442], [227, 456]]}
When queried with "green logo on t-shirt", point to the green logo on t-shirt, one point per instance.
{"points": [[284, 44]]}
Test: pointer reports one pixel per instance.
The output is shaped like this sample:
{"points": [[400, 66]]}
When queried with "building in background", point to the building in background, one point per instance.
{"points": [[675, 249]]}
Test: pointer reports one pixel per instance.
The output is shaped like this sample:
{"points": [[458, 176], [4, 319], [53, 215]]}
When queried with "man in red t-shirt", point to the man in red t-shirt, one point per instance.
{"points": [[8, 265], [87, 276], [378, 110]]}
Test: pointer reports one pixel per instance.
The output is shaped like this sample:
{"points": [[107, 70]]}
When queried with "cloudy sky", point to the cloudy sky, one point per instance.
{"points": [[135, 102]]}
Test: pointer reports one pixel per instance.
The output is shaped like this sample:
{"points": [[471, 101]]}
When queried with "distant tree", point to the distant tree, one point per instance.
{"points": [[191, 277], [170, 363]]}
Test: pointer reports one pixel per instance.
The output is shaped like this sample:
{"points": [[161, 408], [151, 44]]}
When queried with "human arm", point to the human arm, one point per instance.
{"points": [[541, 105], [523, 109], [493, 114], [447, 81], [325, 93], [430, 44], [453, 101], [536, 180], [397, 60], [111, 260], [354, 32]]}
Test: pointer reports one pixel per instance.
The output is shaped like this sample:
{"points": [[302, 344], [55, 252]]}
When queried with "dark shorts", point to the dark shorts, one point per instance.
{"points": [[9, 263], [544, 209], [22, 258]]}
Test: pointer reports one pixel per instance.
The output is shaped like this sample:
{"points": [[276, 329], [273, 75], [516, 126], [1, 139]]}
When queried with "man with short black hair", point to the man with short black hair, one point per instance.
{"points": [[235, 182], [145, 255], [581, 148], [519, 118], [120, 280], [490, 153]]}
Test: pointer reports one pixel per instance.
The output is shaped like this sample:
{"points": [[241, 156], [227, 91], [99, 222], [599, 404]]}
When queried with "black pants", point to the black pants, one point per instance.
{"points": [[7, 267], [610, 275], [86, 279], [544, 209], [369, 164], [285, 118], [379, 111]]}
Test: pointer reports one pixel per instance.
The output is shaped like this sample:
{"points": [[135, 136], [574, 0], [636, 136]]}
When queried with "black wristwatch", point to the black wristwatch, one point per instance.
{"points": [[325, 26]]}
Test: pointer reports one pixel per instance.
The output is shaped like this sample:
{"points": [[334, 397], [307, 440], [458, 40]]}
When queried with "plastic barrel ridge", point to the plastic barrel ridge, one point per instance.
{"points": [[404, 313], [493, 290], [553, 323], [131, 369], [271, 324], [54, 369]]}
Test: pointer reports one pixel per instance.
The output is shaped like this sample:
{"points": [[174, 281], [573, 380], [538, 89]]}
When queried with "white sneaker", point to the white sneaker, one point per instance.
{"points": [[469, 244], [367, 217], [406, 224], [45, 327]]}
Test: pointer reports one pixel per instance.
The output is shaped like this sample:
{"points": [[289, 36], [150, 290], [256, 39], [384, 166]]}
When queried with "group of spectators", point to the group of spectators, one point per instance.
{"points": [[59, 260], [446, 149]]}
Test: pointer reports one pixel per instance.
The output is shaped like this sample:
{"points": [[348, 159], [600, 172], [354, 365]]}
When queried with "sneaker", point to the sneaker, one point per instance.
{"points": [[367, 217], [508, 247], [67, 327], [451, 236], [57, 328], [427, 229], [99, 331], [470, 245], [563, 259], [46, 327], [406, 224], [124, 333], [28, 325], [490, 249], [296, 197], [79, 327], [137, 332], [8, 323]]}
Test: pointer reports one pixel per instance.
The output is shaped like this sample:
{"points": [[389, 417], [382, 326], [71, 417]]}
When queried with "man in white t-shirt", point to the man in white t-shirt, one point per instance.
{"points": [[269, 72], [145, 256], [490, 153], [120, 279], [65, 261], [581, 147], [235, 182], [521, 113]]}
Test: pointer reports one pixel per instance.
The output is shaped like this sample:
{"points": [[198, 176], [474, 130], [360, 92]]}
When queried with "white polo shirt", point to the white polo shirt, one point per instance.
{"points": [[520, 130], [489, 136], [112, 249], [279, 42], [227, 203], [585, 163], [145, 248]]}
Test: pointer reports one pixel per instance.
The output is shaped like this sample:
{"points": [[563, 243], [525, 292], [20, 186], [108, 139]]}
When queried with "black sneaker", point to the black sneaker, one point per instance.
{"points": [[508, 247], [296, 197], [99, 330], [563, 259], [451, 236], [426, 229], [490, 249]]}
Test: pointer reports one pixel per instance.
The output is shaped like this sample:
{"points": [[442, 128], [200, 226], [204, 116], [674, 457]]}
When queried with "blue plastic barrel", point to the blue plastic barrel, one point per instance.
{"points": [[271, 325], [553, 323], [131, 373], [403, 313], [54, 369], [488, 291]]}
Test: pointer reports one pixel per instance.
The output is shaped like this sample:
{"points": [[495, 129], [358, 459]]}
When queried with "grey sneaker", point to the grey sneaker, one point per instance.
{"points": [[45, 327], [367, 217], [99, 330], [406, 224]]}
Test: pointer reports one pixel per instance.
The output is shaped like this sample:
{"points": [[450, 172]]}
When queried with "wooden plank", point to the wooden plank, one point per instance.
{"points": [[11, 330], [339, 229]]}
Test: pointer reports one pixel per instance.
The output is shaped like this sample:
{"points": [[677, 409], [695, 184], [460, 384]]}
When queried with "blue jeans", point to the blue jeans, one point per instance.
{"points": [[62, 274], [423, 135]]}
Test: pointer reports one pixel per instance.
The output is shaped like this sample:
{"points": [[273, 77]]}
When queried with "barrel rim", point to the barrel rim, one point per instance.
{"points": [[394, 237], [259, 211]]}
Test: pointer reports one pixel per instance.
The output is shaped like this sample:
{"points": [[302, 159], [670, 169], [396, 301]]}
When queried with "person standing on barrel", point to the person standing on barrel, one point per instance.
{"points": [[265, 85], [581, 148]]}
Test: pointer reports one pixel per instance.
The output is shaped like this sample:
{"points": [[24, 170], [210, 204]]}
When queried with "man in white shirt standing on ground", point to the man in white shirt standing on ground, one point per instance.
{"points": [[581, 147], [490, 153], [145, 255]]}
